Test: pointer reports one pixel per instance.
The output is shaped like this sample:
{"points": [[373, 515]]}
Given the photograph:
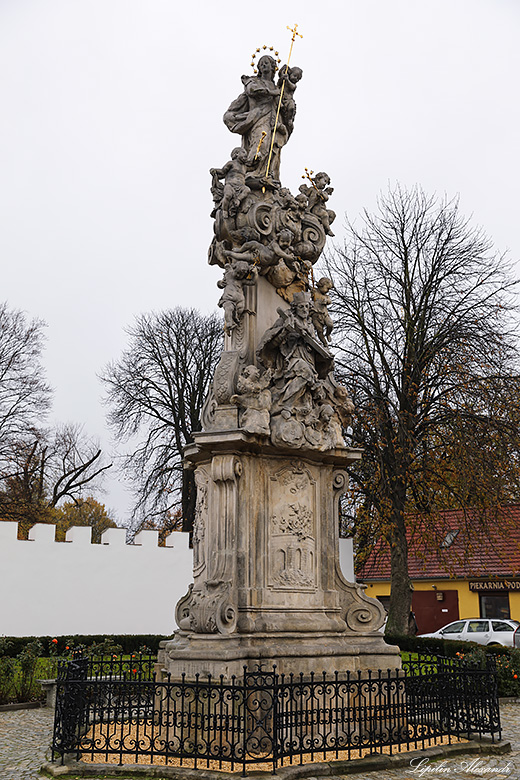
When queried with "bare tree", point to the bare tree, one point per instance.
{"points": [[427, 344], [41, 472], [73, 461], [155, 393], [25, 396]]}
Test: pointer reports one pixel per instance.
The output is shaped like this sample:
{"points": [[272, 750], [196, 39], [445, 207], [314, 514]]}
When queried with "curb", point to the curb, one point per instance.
{"points": [[323, 769], [26, 705]]}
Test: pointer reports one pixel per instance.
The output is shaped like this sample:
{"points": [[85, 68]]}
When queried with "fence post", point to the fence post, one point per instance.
{"points": [[275, 730], [71, 715], [244, 721], [494, 706]]}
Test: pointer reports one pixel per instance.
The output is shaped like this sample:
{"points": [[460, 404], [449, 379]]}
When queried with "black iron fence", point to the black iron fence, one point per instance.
{"points": [[116, 711]]}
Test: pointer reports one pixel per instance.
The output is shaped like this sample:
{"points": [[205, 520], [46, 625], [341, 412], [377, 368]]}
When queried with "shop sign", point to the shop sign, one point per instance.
{"points": [[494, 585]]}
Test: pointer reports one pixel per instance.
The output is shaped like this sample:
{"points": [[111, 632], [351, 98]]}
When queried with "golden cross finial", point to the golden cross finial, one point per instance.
{"points": [[294, 32]]}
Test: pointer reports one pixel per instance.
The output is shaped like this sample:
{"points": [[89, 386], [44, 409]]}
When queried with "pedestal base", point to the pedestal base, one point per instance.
{"points": [[292, 653]]}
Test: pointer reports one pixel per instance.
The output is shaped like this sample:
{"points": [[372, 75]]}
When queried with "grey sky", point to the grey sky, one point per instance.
{"points": [[112, 115]]}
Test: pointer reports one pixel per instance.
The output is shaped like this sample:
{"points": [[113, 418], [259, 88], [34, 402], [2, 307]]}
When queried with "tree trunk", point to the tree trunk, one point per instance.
{"points": [[401, 588], [189, 498]]}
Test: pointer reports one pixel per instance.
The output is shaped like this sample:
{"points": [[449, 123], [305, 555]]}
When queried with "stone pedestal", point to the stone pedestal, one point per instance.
{"points": [[267, 583]]}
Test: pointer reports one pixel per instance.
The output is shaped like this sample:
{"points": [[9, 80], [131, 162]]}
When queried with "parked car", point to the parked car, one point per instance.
{"points": [[484, 632]]}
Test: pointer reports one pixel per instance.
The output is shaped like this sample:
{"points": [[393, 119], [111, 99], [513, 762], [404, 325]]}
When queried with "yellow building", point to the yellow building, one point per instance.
{"points": [[456, 578]]}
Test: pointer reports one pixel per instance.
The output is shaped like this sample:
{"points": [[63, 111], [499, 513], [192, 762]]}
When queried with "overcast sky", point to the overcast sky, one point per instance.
{"points": [[111, 116]]}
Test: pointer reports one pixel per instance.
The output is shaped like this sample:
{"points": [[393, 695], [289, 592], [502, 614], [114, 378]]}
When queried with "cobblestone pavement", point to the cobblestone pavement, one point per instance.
{"points": [[26, 734]]}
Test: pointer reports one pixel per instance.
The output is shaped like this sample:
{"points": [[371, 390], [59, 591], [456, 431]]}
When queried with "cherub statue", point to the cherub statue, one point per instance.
{"points": [[343, 404], [321, 318], [323, 430], [285, 198], [302, 202], [266, 256], [235, 189], [232, 299], [290, 77], [317, 196], [331, 428], [254, 400]]}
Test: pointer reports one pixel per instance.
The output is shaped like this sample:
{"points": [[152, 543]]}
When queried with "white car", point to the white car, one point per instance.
{"points": [[485, 632]]}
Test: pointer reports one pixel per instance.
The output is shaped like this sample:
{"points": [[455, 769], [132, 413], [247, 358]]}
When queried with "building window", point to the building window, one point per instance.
{"points": [[494, 605], [449, 538]]}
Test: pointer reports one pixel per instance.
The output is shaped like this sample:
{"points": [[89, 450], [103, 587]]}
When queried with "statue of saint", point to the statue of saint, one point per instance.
{"points": [[299, 360], [252, 115]]}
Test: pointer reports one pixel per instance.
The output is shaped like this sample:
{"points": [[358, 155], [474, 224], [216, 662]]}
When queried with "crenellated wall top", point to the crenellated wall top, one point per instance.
{"points": [[45, 534]]}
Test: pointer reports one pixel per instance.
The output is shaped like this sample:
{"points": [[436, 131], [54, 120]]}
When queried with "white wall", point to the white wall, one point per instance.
{"points": [[346, 558], [50, 588]]}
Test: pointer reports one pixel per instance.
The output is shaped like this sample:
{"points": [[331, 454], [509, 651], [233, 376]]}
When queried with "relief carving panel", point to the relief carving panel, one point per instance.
{"points": [[292, 559]]}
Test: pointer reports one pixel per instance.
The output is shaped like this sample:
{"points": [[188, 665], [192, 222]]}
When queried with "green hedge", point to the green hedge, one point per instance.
{"points": [[129, 643], [415, 644], [446, 647]]}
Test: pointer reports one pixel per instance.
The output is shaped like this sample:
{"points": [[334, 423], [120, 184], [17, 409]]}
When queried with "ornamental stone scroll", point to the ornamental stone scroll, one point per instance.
{"points": [[361, 613]]}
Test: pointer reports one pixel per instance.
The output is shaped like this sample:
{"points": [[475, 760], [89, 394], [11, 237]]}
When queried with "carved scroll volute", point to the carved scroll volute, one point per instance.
{"points": [[209, 611], [182, 610], [366, 615], [339, 486], [225, 468], [361, 613], [339, 482], [225, 471]]}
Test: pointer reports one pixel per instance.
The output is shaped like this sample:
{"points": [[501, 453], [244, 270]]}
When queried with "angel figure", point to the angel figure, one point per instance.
{"points": [[232, 299], [266, 256], [254, 400], [235, 190], [317, 196], [321, 318]]}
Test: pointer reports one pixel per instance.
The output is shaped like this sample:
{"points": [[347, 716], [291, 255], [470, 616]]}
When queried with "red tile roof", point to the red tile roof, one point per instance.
{"points": [[481, 548]]}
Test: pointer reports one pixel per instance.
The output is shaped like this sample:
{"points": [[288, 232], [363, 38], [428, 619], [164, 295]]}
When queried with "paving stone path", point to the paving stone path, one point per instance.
{"points": [[26, 734]]}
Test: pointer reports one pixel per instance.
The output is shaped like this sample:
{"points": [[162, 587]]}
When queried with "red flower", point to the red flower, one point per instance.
{"points": [[135, 670], [515, 676], [54, 641], [67, 647]]}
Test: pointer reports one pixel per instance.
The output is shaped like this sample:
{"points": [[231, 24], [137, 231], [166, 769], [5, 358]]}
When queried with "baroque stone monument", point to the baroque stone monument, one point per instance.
{"points": [[270, 463]]}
